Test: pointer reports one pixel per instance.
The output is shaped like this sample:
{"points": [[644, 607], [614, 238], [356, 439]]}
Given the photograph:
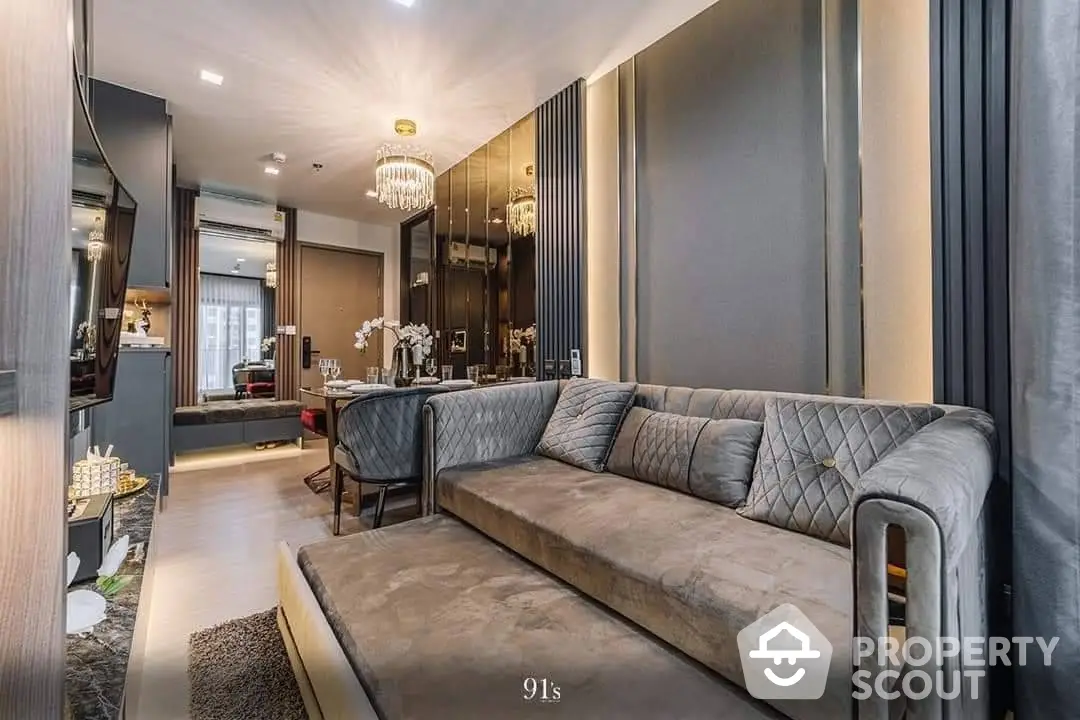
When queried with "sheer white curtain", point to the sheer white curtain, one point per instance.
{"points": [[230, 327]]}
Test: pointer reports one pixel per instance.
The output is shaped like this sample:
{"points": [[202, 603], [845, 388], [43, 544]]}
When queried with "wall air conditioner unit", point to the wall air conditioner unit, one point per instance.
{"points": [[461, 253], [238, 217]]}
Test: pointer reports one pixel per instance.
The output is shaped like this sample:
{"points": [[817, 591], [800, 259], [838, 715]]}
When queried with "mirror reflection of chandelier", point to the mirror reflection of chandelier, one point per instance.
{"points": [[521, 214], [95, 245], [271, 275], [404, 175]]}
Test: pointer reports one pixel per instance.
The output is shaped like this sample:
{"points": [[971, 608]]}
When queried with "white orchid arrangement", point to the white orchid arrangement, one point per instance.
{"points": [[268, 344], [411, 335], [86, 332], [86, 608], [522, 337]]}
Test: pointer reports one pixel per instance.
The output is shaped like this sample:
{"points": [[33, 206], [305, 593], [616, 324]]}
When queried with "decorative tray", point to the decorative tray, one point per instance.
{"points": [[129, 485]]}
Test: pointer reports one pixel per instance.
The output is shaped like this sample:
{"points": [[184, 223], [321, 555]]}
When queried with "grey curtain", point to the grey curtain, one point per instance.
{"points": [[1045, 267]]}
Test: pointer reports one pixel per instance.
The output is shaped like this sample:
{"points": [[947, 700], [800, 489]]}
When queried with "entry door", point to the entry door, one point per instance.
{"points": [[339, 290]]}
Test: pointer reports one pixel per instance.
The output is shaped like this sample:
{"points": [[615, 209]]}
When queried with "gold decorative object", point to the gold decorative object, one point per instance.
{"points": [[404, 175], [130, 484]]}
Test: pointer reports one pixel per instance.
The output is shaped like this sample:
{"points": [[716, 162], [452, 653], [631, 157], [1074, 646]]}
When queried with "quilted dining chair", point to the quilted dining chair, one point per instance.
{"points": [[379, 443]]}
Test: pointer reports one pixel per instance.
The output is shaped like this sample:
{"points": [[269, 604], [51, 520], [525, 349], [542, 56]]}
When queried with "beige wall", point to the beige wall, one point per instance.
{"points": [[602, 233], [897, 285]]}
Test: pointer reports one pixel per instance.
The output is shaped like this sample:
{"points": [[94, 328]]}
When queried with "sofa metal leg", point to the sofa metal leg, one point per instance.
{"points": [[380, 504], [338, 482]]}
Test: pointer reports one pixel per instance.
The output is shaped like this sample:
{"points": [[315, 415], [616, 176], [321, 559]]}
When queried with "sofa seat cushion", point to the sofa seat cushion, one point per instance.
{"points": [[440, 622], [693, 572]]}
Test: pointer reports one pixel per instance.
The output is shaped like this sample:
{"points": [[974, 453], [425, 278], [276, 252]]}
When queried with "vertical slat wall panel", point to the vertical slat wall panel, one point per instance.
{"points": [[560, 223], [287, 310], [185, 320]]}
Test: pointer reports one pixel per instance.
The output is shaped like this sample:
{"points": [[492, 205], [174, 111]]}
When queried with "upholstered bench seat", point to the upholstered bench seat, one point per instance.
{"points": [[231, 411], [237, 422], [439, 622]]}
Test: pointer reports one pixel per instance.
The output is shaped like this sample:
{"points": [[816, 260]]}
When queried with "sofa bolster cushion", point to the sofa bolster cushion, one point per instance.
{"points": [[710, 459], [584, 422]]}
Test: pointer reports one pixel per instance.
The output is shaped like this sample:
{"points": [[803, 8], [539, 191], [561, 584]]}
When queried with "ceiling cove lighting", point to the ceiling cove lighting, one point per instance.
{"points": [[271, 170], [406, 3], [211, 77], [271, 275], [95, 247], [404, 175]]}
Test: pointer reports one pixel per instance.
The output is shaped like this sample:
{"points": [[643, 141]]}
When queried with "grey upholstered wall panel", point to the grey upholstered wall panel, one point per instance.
{"points": [[730, 200]]}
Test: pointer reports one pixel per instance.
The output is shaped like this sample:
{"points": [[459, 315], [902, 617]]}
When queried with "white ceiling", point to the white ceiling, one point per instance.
{"points": [[221, 255], [323, 80]]}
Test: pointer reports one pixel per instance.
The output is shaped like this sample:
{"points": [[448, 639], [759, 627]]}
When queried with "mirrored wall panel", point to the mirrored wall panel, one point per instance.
{"points": [[237, 331], [469, 264]]}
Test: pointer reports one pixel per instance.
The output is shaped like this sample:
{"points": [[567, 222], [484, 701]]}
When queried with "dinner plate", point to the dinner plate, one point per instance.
{"points": [[426, 381], [339, 383], [458, 383], [366, 386]]}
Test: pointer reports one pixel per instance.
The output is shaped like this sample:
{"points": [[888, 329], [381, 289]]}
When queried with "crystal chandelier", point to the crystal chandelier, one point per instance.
{"points": [[404, 175], [521, 214], [271, 275], [95, 246]]}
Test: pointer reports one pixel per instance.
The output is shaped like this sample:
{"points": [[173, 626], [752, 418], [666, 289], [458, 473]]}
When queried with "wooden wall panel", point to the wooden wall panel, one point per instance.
{"points": [[185, 311], [35, 265], [287, 310], [560, 223]]}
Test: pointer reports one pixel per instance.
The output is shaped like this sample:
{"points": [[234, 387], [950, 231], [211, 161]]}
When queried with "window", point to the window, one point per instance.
{"points": [[230, 328]]}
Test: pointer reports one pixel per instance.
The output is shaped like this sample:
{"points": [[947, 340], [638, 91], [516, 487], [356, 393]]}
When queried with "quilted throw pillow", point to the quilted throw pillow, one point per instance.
{"points": [[709, 459], [584, 422], [813, 453]]}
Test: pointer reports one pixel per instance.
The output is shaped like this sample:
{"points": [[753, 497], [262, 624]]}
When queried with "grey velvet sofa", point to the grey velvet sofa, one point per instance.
{"points": [[632, 593]]}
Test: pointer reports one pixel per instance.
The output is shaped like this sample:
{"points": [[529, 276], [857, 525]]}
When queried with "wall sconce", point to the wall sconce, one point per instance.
{"points": [[271, 275]]}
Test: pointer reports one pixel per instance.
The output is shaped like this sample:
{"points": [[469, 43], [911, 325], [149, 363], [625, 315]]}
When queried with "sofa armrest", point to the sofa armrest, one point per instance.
{"points": [[934, 487], [944, 470], [483, 424]]}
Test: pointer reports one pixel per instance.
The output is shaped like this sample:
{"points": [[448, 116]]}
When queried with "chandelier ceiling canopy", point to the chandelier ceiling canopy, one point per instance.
{"points": [[404, 174]]}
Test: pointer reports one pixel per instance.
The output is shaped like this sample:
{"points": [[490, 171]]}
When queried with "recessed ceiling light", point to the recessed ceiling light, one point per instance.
{"points": [[372, 193], [271, 170], [74, 229], [240, 259], [234, 271], [406, 3], [211, 77]]}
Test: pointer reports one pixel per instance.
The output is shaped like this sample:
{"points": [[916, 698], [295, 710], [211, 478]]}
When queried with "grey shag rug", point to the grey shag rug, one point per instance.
{"points": [[240, 670]]}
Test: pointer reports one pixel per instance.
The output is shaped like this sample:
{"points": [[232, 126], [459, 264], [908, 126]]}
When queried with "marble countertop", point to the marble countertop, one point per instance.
{"points": [[97, 662]]}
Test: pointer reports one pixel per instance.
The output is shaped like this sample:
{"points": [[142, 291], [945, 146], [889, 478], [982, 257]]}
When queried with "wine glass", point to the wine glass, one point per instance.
{"points": [[430, 366], [324, 370], [335, 369]]}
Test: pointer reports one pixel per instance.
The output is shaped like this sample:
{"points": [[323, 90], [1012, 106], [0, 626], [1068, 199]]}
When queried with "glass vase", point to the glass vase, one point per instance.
{"points": [[401, 365]]}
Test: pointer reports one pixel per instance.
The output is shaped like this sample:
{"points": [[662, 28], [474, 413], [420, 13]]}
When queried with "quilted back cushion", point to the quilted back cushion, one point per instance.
{"points": [[710, 459], [583, 424], [813, 453]]}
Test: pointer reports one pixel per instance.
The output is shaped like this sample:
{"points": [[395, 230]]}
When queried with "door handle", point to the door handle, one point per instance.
{"points": [[306, 352]]}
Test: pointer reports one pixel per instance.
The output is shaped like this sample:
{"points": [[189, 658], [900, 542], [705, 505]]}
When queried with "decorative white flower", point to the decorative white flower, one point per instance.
{"points": [[85, 608], [114, 558]]}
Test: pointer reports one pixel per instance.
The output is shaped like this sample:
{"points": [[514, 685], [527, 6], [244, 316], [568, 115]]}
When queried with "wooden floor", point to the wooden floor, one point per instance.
{"points": [[214, 559]]}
